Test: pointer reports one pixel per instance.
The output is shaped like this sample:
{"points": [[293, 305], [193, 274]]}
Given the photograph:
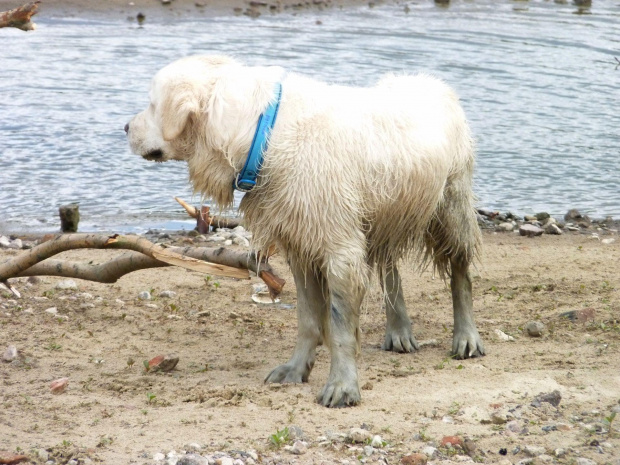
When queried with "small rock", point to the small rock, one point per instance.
{"points": [[163, 363], [499, 418], [10, 354], [414, 459], [5, 242], [429, 451], [505, 227], [66, 284], [203, 314], [58, 386], [452, 441], [574, 216], [43, 455], [584, 461], [542, 216], [609, 240], [34, 280], [529, 230], [534, 328], [559, 452], [16, 244], [167, 294], [359, 435], [554, 398], [144, 295], [224, 461], [553, 229], [192, 447], [534, 451], [544, 458], [368, 451], [51, 310], [377, 442], [513, 426], [240, 240], [502, 336], [295, 432], [227, 242], [299, 447], [192, 459], [158, 457], [530, 218]]}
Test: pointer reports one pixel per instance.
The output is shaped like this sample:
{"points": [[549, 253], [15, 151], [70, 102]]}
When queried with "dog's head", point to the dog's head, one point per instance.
{"points": [[203, 110]]}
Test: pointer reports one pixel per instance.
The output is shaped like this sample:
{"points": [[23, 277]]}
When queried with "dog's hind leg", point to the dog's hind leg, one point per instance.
{"points": [[342, 336], [466, 341], [312, 307], [398, 334]]}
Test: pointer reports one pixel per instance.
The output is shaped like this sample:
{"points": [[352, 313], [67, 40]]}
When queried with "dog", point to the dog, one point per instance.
{"points": [[352, 180]]}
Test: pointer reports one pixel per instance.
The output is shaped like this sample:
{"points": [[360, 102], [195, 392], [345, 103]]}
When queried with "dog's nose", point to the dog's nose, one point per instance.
{"points": [[127, 128]]}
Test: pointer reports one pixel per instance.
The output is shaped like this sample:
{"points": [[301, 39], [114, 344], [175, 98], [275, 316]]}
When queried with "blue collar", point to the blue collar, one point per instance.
{"points": [[246, 179]]}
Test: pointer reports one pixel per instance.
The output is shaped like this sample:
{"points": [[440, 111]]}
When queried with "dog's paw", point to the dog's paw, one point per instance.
{"points": [[400, 340], [288, 373], [467, 344], [339, 394]]}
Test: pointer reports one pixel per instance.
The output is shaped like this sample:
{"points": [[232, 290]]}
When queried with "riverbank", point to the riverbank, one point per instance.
{"points": [[215, 405], [183, 8]]}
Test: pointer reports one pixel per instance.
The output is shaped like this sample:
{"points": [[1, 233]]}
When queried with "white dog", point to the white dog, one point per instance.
{"points": [[352, 179]]}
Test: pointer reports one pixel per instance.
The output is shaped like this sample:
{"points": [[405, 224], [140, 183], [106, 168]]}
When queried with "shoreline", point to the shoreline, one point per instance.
{"points": [[158, 9]]}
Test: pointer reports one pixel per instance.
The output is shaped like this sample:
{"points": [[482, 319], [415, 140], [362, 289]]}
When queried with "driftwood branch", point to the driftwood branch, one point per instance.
{"points": [[20, 17], [144, 254], [214, 221]]}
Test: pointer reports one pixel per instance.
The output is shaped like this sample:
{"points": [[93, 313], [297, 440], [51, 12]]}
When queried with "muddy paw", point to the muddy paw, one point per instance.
{"points": [[467, 344], [287, 373], [339, 394], [400, 340]]}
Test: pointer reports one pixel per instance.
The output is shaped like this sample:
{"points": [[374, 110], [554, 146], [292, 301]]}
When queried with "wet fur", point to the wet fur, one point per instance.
{"points": [[353, 179]]}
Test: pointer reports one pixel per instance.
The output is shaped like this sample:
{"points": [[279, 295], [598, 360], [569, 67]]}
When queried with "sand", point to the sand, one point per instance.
{"points": [[114, 411]]}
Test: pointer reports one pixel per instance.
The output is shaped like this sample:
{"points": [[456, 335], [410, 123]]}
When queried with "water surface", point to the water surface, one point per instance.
{"points": [[538, 80]]}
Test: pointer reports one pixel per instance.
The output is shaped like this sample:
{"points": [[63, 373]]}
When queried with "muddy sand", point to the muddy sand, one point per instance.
{"points": [[215, 403]]}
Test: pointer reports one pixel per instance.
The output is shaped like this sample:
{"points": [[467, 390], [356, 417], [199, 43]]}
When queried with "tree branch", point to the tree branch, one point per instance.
{"points": [[145, 254]]}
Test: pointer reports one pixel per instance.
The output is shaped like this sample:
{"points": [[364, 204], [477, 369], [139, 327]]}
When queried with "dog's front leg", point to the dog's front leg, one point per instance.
{"points": [[342, 388], [311, 312], [466, 341]]}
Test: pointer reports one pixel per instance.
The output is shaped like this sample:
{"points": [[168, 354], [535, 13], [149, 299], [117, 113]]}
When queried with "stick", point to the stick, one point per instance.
{"points": [[31, 263], [215, 221], [20, 17]]}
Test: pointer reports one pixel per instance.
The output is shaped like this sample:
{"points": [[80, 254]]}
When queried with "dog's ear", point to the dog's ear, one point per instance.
{"points": [[176, 109]]}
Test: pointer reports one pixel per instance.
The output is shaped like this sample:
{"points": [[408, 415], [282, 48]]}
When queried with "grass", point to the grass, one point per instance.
{"points": [[279, 438]]}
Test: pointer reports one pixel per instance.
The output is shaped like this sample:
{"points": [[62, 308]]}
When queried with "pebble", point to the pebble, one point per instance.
{"points": [[158, 456], [368, 450], [608, 241], [452, 441], [584, 461], [414, 459], [513, 426], [66, 284], [553, 229], [43, 455], [529, 230], [295, 432], [534, 328], [554, 398], [227, 242], [144, 295], [505, 227], [163, 363], [377, 441], [5, 242], [530, 218], [429, 451], [10, 354], [167, 294], [192, 459], [502, 336], [359, 435], [51, 310], [240, 240], [58, 386], [192, 446], [224, 461], [215, 239], [534, 451], [299, 447]]}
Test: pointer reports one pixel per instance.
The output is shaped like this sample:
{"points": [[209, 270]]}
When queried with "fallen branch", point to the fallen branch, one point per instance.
{"points": [[144, 254], [20, 17]]}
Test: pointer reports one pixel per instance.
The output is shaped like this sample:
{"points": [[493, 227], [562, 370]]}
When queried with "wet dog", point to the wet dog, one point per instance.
{"points": [[352, 179]]}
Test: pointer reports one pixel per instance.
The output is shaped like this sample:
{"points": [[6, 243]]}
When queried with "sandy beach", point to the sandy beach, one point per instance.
{"points": [[214, 403]]}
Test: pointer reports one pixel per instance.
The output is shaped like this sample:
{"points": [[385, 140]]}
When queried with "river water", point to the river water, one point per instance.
{"points": [[538, 79]]}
